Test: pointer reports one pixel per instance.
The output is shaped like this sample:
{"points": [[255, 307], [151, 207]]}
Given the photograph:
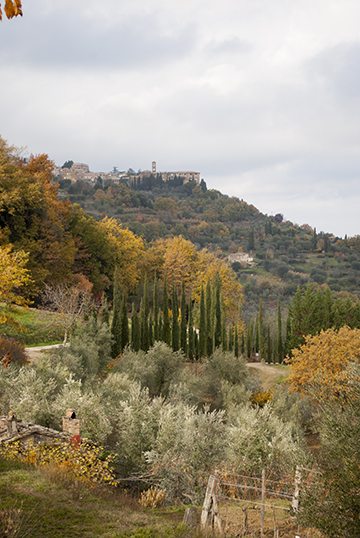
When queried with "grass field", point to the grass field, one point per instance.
{"points": [[33, 327]]}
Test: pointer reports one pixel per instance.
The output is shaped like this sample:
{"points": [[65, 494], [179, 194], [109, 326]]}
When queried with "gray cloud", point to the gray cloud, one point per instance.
{"points": [[78, 42]]}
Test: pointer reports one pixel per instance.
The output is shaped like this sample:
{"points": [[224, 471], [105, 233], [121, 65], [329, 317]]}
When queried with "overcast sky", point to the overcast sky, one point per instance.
{"points": [[262, 97]]}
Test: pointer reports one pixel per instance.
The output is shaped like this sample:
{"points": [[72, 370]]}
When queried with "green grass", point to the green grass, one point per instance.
{"points": [[35, 327], [53, 511]]}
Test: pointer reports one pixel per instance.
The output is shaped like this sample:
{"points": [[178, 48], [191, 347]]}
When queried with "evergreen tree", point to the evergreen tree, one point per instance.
{"points": [[217, 308], [160, 327], [236, 342], [191, 351], [151, 331], [274, 347], [105, 318], [175, 319], [242, 348], [288, 337], [166, 332], [268, 355], [261, 331], [209, 328], [197, 355], [144, 318], [230, 338], [279, 335], [248, 341], [134, 336], [116, 323], [183, 326], [144, 342], [251, 242], [156, 309], [257, 335], [124, 324], [202, 327]]}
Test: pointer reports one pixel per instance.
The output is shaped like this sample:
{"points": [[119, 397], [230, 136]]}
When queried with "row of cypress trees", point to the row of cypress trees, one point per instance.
{"points": [[310, 312], [173, 323]]}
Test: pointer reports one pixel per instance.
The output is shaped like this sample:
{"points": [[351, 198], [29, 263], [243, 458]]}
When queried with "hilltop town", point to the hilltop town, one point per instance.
{"points": [[81, 172]]}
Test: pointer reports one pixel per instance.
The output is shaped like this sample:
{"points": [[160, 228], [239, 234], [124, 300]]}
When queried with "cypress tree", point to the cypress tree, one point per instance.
{"points": [[133, 325], [196, 346], [217, 308], [191, 350], [248, 340], [224, 339], [242, 344], [279, 335], [268, 355], [328, 302], [166, 333], [296, 314], [288, 336], [124, 324], [274, 352], [116, 324], [251, 242], [209, 328], [257, 335], [160, 327], [202, 328], [105, 318], [175, 319], [230, 338], [156, 309], [151, 331], [144, 343], [236, 342], [261, 331], [144, 318], [183, 326]]}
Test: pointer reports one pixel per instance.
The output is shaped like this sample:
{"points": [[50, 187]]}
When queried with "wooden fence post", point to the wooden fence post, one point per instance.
{"points": [[210, 512], [295, 499], [262, 501]]}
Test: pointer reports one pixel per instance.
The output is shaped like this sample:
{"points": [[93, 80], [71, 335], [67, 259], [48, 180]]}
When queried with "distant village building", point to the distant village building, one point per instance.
{"points": [[241, 257], [81, 172]]}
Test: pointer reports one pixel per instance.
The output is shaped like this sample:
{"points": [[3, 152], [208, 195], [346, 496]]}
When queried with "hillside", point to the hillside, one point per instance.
{"points": [[286, 254]]}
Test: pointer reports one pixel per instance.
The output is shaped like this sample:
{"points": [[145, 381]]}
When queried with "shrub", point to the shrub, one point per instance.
{"points": [[153, 498], [14, 348]]}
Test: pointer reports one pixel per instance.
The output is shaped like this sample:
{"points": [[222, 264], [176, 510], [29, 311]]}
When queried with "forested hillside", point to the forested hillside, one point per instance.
{"points": [[286, 255]]}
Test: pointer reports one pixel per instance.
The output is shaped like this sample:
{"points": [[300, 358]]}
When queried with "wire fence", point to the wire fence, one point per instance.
{"points": [[244, 505]]}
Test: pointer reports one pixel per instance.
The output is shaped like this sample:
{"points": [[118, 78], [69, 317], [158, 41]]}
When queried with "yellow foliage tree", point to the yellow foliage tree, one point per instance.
{"points": [[127, 249], [13, 275], [178, 260], [12, 8], [318, 367]]}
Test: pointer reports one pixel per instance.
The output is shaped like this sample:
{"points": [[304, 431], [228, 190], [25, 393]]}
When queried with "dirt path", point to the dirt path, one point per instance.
{"points": [[34, 353], [270, 374]]}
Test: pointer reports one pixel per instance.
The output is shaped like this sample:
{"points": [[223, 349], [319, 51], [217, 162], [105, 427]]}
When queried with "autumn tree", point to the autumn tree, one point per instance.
{"points": [[322, 361], [14, 276], [70, 302], [331, 504], [12, 8], [33, 219]]}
